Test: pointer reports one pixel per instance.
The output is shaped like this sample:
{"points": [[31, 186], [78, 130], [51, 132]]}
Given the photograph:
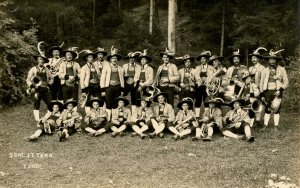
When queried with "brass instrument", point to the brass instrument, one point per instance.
{"points": [[255, 106], [213, 86], [152, 90], [83, 99]]}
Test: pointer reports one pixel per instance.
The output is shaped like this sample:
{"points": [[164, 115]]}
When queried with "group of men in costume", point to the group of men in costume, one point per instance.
{"points": [[105, 84]]}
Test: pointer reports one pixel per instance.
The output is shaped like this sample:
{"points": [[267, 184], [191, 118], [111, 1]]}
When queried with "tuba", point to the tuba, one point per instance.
{"points": [[213, 86], [255, 106], [152, 90]]}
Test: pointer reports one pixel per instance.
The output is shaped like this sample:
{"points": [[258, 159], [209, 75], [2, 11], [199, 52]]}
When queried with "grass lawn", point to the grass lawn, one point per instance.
{"points": [[127, 161]]}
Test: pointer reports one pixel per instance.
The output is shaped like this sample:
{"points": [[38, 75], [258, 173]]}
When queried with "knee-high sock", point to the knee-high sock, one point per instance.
{"points": [[160, 127], [251, 122], [87, 109], [37, 133], [258, 116], [198, 132], [144, 128], [122, 128], [102, 130], [114, 129], [90, 130], [197, 112], [136, 129], [173, 130], [210, 131], [185, 132], [133, 108], [108, 114], [266, 119], [247, 131], [36, 114], [276, 119], [230, 134]]}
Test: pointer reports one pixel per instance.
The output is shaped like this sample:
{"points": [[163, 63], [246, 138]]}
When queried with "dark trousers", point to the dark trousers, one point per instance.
{"points": [[129, 88], [269, 97], [70, 92], [56, 89], [170, 92], [42, 93], [201, 95], [94, 90], [111, 93], [187, 93]]}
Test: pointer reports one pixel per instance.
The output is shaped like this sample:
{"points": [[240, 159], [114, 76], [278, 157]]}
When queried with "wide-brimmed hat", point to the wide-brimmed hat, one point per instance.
{"points": [[59, 48], [206, 54], [100, 50], [144, 55], [159, 94], [169, 53], [35, 57], [273, 54], [114, 53], [216, 101], [143, 99], [121, 98], [72, 50], [185, 57], [55, 102], [215, 57], [188, 101], [95, 99], [235, 54], [70, 101], [234, 99], [86, 53], [256, 52]]}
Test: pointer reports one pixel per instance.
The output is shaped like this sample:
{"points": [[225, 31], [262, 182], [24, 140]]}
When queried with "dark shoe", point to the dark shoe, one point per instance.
{"points": [[182, 137], [152, 135], [122, 134], [59, 136], [195, 138], [133, 134], [175, 137], [63, 136], [114, 134], [250, 139], [207, 139], [143, 136], [50, 134], [161, 135]]}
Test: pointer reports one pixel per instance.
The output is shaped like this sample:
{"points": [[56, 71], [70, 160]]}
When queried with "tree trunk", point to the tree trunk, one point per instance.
{"points": [[171, 25], [151, 16], [223, 30], [59, 30], [94, 13]]}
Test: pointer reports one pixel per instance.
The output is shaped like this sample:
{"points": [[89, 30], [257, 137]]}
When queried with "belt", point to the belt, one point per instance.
{"points": [[114, 83]]}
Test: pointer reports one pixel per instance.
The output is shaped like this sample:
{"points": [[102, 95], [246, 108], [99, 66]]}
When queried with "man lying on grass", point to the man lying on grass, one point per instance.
{"points": [[237, 122]]}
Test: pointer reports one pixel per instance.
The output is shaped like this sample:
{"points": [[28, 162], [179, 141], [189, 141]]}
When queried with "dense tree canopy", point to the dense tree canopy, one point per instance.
{"points": [[125, 23]]}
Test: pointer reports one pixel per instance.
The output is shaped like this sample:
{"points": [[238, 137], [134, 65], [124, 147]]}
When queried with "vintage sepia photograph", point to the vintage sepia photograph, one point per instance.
{"points": [[150, 93]]}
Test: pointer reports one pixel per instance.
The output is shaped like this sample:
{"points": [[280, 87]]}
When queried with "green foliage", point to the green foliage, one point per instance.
{"points": [[14, 57]]}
